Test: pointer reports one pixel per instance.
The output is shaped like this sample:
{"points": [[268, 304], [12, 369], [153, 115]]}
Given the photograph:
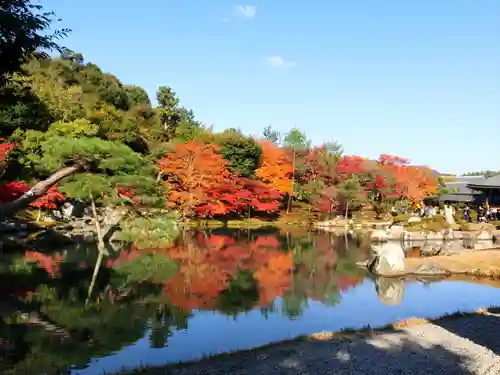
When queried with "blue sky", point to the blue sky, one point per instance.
{"points": [[415, 78]]}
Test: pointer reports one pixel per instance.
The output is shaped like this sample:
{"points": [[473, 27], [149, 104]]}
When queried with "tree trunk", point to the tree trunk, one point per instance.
{"points": [[97, 267], [36, 191], [100, 241]]}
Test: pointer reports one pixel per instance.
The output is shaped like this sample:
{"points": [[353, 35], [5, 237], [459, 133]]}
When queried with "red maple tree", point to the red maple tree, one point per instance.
{"points": [[239, 195]]}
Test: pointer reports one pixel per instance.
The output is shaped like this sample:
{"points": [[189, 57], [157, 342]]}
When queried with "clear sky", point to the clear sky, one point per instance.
{"points": [[415, 78]]}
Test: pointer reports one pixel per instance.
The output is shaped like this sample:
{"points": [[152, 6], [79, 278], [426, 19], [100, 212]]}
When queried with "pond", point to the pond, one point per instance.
{"points": [[210, 292]]}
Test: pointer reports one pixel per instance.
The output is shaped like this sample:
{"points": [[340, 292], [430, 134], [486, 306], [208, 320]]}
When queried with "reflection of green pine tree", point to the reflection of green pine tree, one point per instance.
{"points": [[294, 305], [160, 331], [241, 295]]}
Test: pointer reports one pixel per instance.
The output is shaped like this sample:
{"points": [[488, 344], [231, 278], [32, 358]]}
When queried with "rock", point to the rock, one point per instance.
{"points": [[390, 291], [482, 245], [488, 227], [452, 247], [434, 236], [66, 210], [50, 218], [414, 220], [379, 235], [56, 214], [483, 235], [389, 259], [496, 236], [12, 226], [331, 223], [395, 232], [471, 227], [448, 234], [409, 237], [431, 248], [380, 224], [431, 270]]}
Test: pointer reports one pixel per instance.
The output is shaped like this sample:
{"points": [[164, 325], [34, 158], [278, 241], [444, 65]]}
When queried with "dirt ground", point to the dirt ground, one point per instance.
{"points": [[480, 263]]}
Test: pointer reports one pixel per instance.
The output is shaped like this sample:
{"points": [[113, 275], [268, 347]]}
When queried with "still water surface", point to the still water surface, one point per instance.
{"points": [[211, 292]]}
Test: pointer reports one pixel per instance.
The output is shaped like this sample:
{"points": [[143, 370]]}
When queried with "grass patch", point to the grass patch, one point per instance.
{"points": [[248, 223]]}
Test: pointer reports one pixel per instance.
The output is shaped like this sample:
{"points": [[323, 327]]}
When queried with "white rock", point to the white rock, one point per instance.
{"points": [[389, 258]]}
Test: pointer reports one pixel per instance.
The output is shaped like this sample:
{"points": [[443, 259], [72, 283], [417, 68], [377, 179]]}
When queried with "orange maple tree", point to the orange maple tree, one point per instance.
{"points": [[408, 181], [192, 169], [275, 168]]}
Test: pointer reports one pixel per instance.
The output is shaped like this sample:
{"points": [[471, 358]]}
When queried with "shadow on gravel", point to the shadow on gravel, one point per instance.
{"points": [[482, 330], [388, 354]]}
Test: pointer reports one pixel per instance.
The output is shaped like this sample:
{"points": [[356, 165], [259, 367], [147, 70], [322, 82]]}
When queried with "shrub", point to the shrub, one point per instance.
{"points": [[414, 228], [473, 215], [435, 226], [439, 219]]}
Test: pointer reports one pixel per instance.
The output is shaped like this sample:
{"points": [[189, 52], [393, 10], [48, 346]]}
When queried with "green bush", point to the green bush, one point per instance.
{"points": [[473, 216], [414, 228], [435, 226], [439, 219]]}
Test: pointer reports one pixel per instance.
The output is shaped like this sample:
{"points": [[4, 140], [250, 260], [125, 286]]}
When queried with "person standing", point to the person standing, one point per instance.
{"points": [[467, 213], [494, 213]]}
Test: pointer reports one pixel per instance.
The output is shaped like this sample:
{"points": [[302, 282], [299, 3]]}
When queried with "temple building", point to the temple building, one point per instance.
{"points": [[460, 192], [489, 189]]}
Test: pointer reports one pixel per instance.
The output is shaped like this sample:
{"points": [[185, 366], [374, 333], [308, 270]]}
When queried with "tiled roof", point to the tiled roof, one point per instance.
{"points": [[493, 182]]}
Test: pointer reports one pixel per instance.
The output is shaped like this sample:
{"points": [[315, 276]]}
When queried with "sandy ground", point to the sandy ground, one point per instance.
{"points": [[485, 262], [451, 346]]}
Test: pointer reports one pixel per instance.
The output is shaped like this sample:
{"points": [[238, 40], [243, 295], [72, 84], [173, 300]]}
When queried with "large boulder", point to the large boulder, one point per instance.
{"points": [[389, 259]]}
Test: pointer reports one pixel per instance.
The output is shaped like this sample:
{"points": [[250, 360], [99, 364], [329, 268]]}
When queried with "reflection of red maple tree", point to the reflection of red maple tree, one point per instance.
{"points": [[49, 263], [207, 263]]}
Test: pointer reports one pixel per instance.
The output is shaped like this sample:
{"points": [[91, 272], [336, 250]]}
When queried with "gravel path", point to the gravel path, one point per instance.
{"points": [[463, 346]]}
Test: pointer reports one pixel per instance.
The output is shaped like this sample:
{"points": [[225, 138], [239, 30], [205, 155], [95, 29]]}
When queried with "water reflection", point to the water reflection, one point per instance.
{"points": [[238, 288]]}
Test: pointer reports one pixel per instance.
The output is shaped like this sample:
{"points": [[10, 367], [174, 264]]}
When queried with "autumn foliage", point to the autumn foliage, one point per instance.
{"points": [[15, 189], [200, 183], [275, 169], [208, 263]]}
